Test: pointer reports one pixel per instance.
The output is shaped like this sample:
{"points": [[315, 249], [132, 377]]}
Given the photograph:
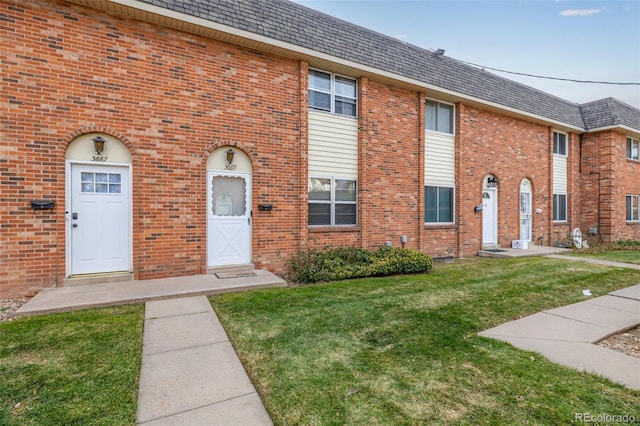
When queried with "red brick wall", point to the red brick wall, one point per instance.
{"points": [[175, 97], [607, 178], [389, 165], [511, 150], [625, 181], [590, 183]]}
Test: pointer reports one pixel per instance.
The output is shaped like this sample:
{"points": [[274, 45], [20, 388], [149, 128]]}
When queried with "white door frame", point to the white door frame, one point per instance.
{"points": [[211, 262], [526, 211], [68, 209], [491, 221]]}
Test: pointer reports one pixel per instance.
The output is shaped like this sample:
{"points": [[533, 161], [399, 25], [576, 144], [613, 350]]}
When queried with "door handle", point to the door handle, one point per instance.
{"points": [[249, 220], [75, 225]]}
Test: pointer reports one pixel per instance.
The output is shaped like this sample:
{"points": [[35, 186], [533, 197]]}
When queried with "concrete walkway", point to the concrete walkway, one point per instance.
{"points": [[567, 335], [190, 372]]}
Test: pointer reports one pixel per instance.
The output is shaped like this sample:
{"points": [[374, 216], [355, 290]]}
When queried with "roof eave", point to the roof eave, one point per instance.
{"points": [[629, 130], [200, 26]]}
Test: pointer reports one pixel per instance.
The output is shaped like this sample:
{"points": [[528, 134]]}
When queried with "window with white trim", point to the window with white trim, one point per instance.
{"points": [[439, 117], [633, 146], [632, 208], [560, 207], [332, 202], [438, 204], [332, 93], [559, 143]]}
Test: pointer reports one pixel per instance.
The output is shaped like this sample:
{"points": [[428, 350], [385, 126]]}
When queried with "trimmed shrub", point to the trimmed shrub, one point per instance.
{"points": [[341, 263]]}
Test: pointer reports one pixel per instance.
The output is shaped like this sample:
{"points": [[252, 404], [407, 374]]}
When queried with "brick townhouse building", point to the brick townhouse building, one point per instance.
{"points": [[159, 138]]}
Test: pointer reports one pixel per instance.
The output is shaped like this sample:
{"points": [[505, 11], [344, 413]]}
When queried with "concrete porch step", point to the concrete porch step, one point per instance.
{"points": [[92, 279]]}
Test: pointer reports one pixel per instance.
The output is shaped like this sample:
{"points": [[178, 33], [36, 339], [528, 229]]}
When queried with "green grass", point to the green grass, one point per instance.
{"points": [[404, 350], [625, 256], [78, 368]]}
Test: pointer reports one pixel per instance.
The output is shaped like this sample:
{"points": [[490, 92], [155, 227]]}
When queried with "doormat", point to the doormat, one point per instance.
{"points": [[225, 275], [494, 250]]}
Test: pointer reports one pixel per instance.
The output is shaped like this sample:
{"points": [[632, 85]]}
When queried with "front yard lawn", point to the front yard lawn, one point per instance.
{"points": [[624, 256], [78, 368], [404, 350]]}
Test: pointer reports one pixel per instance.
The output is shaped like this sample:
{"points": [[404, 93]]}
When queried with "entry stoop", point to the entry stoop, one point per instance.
{"points": [[232, 271], [531, 251], [103, 294]]}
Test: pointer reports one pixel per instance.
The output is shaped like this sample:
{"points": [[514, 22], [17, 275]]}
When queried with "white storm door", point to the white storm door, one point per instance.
{"points": [[525, 216], [489, 219], [99, 219], [228, 219]]}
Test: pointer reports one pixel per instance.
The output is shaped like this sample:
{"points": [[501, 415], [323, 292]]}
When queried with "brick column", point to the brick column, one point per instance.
{"points": [[364, 191], [303, 165]]}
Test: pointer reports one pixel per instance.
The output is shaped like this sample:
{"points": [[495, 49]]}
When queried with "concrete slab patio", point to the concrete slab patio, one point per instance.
{"points": [[567, 335], [506, 252], [62, 299]]}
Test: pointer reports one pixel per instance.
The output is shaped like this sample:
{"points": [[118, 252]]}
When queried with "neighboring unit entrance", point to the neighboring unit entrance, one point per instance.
{"points": [[99, 219], [228, 218], [525, 210], [490, 211]]}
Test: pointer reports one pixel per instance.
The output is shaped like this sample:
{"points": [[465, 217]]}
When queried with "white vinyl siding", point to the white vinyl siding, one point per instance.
{"points": [[333, 145], [559, 174], [440, 160]]}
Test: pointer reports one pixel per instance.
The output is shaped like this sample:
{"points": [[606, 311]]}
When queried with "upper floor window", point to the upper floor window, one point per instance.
{"points": [[439, 117], [632, 149], [332, 93], [559, 143]]}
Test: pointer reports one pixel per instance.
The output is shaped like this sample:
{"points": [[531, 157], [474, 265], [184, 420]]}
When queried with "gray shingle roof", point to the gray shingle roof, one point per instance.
{"points": [[609, 112], [296, 24]]}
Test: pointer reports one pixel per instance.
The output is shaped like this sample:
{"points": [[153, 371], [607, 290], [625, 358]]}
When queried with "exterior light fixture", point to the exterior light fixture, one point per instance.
{"points": [[440, 52], [98, 143], [230, 153]]}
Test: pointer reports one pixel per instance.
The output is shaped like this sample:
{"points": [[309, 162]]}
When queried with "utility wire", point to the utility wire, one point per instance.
{"points": [[551, 78]]}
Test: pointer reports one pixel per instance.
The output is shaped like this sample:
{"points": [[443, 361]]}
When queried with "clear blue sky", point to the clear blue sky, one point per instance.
{"points": [[574, 39]]}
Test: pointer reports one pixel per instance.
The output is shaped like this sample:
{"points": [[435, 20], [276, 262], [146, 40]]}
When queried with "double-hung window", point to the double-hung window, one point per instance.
{"points": [[560, 207], [438, 204], [439, 117], [332, 93], [632, 208], [559, 143], [632, 149], [332, 201]]}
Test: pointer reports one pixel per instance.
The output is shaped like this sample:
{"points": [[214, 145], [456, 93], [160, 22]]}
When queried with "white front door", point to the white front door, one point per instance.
{"points": [[525, 211], [228, 218], [99, 219], [489, 216]]}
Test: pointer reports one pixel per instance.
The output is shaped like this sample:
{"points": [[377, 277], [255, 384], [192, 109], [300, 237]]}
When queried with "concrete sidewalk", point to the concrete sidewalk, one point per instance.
{"points": [[190, 372], [566, 335]]}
